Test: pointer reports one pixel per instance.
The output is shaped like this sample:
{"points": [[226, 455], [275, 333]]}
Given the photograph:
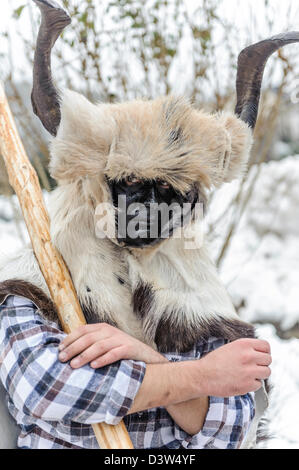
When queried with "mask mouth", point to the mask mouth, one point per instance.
{"points": [[145, 234], [154, 230], [139, 243]]}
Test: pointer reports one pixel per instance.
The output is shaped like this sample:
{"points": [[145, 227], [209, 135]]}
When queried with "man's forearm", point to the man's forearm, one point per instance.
{"points": [[173, 386], [189, 414]]}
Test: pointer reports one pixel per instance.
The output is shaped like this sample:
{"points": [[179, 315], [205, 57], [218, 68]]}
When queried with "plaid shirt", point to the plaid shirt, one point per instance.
{"points": [[55, 405]]}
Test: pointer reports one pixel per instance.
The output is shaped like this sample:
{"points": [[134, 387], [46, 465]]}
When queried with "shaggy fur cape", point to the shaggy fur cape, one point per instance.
{"points": [[167, 296]]}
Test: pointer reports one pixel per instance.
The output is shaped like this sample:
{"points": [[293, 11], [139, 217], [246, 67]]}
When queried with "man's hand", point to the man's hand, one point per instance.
{"points": [[235, 369], [102, 344], [232, 370]]}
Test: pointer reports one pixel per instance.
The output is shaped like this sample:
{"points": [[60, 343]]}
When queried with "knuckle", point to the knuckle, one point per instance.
{"points": [[89, 338], [69, 351], [246, 357], [250, 375], [265, 345], [106, 328], [113, 356], [257, 385], [128, 348], [99, 348], [128, 353], [251, 385], [240, 342], [245, 342], [82, 329], [268, 372], [85, 342]]}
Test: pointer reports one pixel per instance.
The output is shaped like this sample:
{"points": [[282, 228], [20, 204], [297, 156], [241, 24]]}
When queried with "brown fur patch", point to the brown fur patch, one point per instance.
{"points": [[31, 292], [44, 304], [143, 298], [95, 317], [180, 337]]}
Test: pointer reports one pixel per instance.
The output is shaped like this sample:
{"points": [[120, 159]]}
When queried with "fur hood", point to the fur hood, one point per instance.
{"points": [[163, 139]]}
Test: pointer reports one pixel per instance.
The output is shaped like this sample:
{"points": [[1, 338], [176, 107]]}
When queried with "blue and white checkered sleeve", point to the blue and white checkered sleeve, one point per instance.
{"points": [[41, 386]]}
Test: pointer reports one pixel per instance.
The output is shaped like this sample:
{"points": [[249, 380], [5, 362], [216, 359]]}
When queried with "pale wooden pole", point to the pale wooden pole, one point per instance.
{"points": [[24, 180]]}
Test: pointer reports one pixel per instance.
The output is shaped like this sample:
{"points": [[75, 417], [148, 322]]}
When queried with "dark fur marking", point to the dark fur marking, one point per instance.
{"points": [[263, 434], [179, 337], [92, 316], [175, 136], [89, 314], [143, 298], [120, 279], [183, 155], [31, 292]]}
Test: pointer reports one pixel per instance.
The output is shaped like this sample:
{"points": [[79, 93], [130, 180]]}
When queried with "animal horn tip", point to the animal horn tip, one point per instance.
{"points": [[47, 6]]}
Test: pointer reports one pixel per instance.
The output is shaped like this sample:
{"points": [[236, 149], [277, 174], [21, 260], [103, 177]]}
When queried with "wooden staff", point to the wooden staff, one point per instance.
{"points": [[24, 180]]}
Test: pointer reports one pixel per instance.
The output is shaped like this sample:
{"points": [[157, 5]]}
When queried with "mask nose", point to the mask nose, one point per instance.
{"points": [[151, 199]]}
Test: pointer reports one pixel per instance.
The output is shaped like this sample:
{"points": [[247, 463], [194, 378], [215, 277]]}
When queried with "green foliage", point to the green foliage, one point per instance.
{"points": [[18, 11]]}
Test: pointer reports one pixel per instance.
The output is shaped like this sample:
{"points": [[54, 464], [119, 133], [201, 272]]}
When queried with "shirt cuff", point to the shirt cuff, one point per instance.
{"points": [[125, 387], [225, 427]]}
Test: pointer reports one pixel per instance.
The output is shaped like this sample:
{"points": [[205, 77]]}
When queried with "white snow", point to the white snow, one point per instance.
{"points": [[10, 237], [261, 267], [283, 411], [260, 271]]}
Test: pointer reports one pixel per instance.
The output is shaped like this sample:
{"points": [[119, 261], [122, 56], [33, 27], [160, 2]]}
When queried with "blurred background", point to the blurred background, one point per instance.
{"points": [[126, 49]]}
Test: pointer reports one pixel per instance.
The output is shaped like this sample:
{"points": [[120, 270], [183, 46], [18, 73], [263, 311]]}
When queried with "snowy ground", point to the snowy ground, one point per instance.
{"points": [[261, 274]]}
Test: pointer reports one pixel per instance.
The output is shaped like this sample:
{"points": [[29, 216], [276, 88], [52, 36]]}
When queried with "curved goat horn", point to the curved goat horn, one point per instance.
{"points": [[44, 97], [251, 66]]}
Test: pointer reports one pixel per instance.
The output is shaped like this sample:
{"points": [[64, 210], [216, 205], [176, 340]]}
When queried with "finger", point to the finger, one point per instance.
{"points": [[257, 385], [80, 345], [262, 346], [76, 334], [110, 357], [263, 359], [263, 373], [94, 352]]}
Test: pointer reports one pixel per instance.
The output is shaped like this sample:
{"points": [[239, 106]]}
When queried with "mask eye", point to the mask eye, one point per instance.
{"points": [[163, 184], [132, 180]]}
